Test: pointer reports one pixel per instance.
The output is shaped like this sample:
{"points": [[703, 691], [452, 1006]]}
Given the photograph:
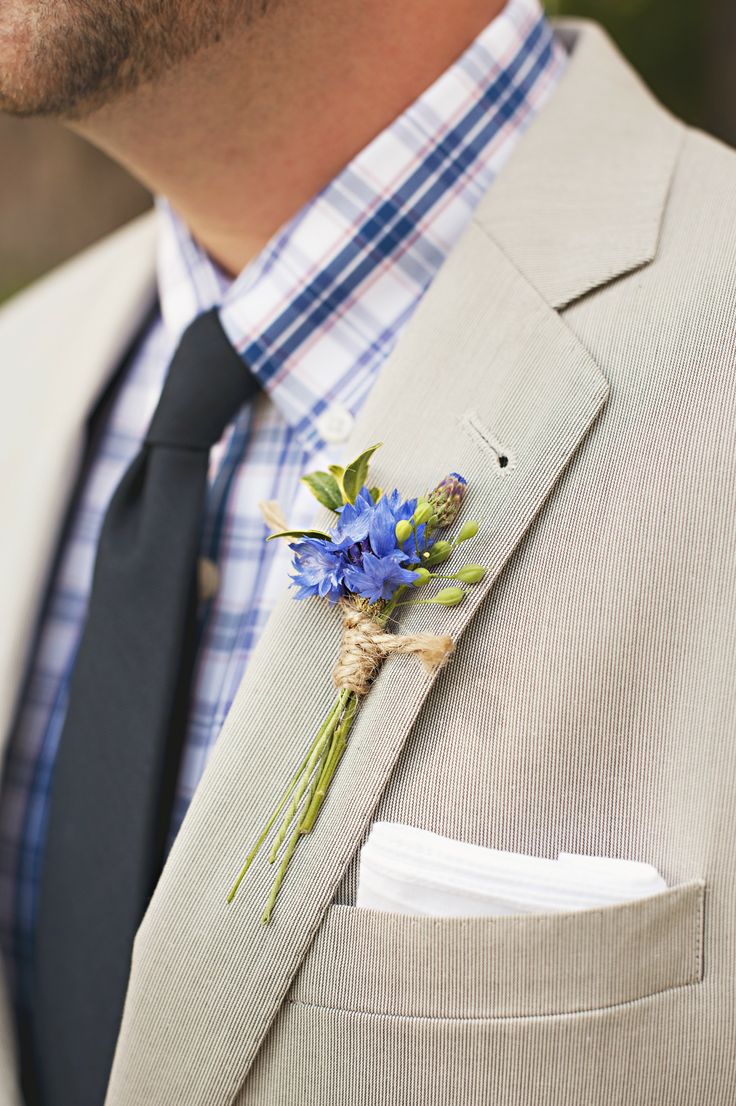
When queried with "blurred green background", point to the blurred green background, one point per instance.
{"points": [[57, 194]]}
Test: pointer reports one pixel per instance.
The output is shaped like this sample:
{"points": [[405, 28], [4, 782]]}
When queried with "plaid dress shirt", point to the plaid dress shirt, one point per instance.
{"points": [[314, 315]]}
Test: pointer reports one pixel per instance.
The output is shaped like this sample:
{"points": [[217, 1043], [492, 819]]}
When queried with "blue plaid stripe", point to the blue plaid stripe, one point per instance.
{"points": [[400, 216], [315, 315]]}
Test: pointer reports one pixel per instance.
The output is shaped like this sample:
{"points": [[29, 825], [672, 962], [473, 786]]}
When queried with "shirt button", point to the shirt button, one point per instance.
{"points": [[335, 423], [208, 579]]}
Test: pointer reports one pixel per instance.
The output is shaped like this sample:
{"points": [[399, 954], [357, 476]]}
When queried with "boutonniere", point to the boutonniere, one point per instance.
{"points": [[382, 554]]}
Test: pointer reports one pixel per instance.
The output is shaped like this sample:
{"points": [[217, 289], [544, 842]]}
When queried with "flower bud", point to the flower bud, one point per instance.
{"points": [[468, 530], [446, 499], [439, 552], [403, 531], [470, 574], [449, 597], [424, 574], [423, 512]]}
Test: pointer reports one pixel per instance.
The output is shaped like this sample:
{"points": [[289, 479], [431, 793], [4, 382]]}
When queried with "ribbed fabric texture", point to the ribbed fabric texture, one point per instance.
{"points": [[507, 967]]}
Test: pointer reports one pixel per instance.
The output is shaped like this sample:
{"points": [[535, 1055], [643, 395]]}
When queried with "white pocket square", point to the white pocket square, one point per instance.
{"points": [[406, 870]]}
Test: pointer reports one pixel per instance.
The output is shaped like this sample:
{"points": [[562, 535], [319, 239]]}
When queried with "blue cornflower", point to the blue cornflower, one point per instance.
{"points": [[403, 509], [379, 577], [356, 518], [382, 529], [366, 526], [320, 569], [400, 508], [354, 521], [363, 556]]}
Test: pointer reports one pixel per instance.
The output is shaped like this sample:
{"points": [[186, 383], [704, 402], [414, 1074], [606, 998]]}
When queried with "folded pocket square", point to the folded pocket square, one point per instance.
{"points": [[406, 870]]}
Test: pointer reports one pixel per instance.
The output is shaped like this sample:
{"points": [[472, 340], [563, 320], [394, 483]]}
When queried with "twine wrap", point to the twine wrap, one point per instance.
{"points": [[365, 645]]}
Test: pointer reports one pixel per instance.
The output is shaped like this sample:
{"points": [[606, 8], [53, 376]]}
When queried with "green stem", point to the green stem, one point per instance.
{"points": [[284, 799], [315, 761], [408, 602], [337, 747], [319, 748], [324, 783], [254, 851], [266, 916], [286, 860], [388, 610]]}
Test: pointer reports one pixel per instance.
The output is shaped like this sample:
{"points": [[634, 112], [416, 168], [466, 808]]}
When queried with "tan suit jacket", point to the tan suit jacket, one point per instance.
{"points": [[584, 328]]}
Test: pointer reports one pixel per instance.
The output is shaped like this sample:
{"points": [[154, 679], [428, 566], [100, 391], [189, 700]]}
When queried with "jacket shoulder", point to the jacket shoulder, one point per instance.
{"points": [[703, 196], [695, 270], [703, 150]]}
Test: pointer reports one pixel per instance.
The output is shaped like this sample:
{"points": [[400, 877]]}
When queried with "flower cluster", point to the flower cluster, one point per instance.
{"points": [[363, 554], [381, 548], [381, 543]]}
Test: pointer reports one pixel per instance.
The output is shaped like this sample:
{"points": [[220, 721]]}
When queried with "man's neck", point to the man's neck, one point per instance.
{"points": [[243, 134]]}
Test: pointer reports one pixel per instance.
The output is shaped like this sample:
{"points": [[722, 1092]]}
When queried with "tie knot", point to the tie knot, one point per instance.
{"points": [[206, 385]]}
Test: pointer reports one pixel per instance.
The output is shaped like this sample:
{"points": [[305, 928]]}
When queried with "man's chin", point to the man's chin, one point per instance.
{"points": [[25, 104], [25, 107], [29, 88], [65, 60]]}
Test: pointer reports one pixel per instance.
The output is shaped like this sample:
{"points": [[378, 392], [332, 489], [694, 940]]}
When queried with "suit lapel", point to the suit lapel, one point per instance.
{"points": [[582, 199], [487, 369], [60, 342]]}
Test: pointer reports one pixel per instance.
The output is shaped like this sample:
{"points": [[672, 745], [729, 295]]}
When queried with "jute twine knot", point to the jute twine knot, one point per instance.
{"points": [[365, 645]]}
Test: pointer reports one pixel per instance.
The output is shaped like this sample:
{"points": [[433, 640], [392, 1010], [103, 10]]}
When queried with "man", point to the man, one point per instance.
{"points": [[447, 228]]}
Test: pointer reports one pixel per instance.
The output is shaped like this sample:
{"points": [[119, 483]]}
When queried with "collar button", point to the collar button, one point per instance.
{"points": [[334, 424]]}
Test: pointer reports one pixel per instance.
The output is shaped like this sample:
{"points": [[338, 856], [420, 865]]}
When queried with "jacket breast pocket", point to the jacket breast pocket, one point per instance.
{"points": [[518, 966]]}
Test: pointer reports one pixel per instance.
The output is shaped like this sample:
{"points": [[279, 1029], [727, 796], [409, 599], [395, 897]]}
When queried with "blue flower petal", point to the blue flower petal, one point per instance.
{"points": [[319, 569], [380, 577], [382, 530]]}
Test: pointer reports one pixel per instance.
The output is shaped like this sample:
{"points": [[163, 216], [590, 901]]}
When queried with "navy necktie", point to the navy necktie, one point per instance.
{"points": [[116, 768]]}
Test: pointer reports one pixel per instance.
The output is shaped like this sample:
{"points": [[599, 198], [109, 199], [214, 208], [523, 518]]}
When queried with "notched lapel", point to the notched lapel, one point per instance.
{"points": [[485, 363], [581, 200]]}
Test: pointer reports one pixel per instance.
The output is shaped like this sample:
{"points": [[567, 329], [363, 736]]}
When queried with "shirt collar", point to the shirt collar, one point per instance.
{"points": [[310, 313]]}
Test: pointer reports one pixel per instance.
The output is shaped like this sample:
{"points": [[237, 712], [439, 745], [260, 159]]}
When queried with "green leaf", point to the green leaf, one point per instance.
{"points": [[356, 473], [376, 494], [338, 472], [300, 534], [325, 489]]}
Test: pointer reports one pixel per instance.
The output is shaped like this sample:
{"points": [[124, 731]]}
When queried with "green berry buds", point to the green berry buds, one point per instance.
{"points": [[423, 512], [468, 530], [403, 531], [470, 574], [449, 597], [440, 551]]}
